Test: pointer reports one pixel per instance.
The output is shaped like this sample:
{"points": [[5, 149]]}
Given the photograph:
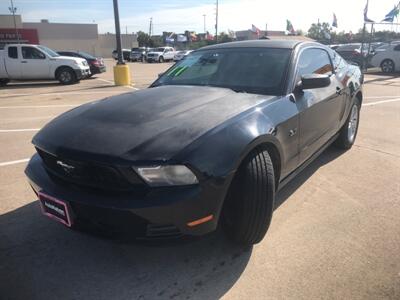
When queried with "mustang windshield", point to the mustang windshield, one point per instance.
{"points": [[249, 70]]}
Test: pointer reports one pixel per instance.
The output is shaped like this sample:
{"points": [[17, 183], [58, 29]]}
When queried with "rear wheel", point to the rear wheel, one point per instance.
{"points": [[66, 76], [387, 66], [348, 133], [248, 209]]}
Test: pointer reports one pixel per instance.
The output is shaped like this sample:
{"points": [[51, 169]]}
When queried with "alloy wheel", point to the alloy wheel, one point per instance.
{"points": [[387, 66], [65, 76], [353, 124]]}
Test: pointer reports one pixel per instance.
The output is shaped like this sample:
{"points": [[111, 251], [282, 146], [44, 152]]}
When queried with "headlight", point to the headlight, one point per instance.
{"points": [[167, 175]]}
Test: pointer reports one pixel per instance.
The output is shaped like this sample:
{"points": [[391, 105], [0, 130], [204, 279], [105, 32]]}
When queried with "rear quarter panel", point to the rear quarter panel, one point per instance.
{"points": [[3, 72]]}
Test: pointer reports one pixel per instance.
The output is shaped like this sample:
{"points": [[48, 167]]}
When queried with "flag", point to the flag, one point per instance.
{"points": [[193, 36], [366, 19], [181, 38], [255, 30], [169, 39], [334, 23], [209, 36], [289, 27], [392, 14]]}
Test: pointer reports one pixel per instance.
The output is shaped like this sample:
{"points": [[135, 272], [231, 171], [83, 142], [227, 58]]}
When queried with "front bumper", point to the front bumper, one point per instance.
{"points": [[138, 213], [82, 73], [153, 58], [98, 70]]}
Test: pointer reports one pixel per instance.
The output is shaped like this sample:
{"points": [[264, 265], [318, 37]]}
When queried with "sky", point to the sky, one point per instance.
{"points": [[180, 15]]}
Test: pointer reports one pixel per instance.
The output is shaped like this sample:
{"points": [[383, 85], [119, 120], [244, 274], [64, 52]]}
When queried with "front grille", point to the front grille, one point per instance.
{"points": [[90, 174], [122, 223]]}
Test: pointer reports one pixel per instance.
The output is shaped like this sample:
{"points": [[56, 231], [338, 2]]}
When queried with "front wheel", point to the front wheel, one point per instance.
{"points": [[66, 76], [161, 59], [348, 133], [4, 82], [387, 66], [248, 208]]}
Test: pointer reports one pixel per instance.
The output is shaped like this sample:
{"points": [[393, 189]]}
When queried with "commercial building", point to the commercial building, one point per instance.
{"points": [[62, 36]]}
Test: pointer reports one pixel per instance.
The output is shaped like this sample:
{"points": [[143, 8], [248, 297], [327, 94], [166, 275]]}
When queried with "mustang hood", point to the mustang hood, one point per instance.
{"points": [[153, 124]]}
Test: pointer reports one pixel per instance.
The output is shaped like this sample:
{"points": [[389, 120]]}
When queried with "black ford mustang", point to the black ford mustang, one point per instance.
{"points": [[208, 144]]}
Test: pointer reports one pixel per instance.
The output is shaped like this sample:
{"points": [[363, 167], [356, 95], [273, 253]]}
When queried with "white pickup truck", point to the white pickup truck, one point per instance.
{"points": [[160, 54], [36, 62]]}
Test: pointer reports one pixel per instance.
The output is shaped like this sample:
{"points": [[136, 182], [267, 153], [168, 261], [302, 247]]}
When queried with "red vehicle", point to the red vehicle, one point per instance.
{"points": [[96, 64]]}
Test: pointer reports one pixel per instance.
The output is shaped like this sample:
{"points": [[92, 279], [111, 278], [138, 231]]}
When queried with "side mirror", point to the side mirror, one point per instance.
{"points": [[314, 81]]}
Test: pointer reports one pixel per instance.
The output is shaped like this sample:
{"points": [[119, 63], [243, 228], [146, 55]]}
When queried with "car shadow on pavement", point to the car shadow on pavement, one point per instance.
{"points": [[29, 85], [41, 259], [326, 157]]}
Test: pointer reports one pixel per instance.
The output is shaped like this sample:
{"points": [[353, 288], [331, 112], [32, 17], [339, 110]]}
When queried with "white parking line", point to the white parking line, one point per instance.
{"points": [[19, 130], [105, 80], [381, 97], [381, 102], [39, 106], [61, 93], [14, 162], [112, 82]]}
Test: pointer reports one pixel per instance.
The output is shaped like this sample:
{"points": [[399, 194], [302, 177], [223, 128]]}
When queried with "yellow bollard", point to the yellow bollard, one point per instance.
{"points": [[122, 76]]}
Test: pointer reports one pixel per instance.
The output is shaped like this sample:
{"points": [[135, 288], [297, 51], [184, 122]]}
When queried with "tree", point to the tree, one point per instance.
{"points": [[144, 39], [224, 38], [320, 32]]}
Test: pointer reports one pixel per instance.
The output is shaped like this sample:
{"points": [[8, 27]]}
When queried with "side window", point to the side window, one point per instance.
{"points": [[32, 53], [338, 62], [314, 61], [397, 48], [13, 52]]}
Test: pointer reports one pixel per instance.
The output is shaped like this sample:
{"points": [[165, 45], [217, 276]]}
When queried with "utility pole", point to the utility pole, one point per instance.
{"points": [[118, 33], [13, 10], [216, 23], [204, 16], [150, 27]]}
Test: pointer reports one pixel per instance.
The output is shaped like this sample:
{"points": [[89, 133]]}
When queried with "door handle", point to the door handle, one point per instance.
{"points": [[24, 62]]}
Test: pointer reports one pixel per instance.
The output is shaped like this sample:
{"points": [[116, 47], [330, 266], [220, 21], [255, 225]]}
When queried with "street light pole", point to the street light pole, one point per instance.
{"points": [[118, 33], [13, 9], [216, 23], [204, 16], [122, 75]]}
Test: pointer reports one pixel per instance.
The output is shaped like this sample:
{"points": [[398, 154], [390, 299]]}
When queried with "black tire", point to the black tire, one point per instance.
{"points": [[4, 82], [249, 206], [387, 66], [66, 76], [161, 59], [348, 133]]}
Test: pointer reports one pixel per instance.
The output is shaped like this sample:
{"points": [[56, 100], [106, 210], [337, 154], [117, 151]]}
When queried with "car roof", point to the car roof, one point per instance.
{"points": [[282, 44]]}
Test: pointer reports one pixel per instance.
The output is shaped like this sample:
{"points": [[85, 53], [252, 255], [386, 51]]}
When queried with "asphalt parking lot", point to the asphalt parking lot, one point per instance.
{"points": [[335, 233]]}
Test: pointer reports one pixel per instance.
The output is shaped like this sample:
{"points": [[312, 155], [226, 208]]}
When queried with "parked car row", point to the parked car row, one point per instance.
{"points": [[37, 62], [381, 55], [160, 54]]}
